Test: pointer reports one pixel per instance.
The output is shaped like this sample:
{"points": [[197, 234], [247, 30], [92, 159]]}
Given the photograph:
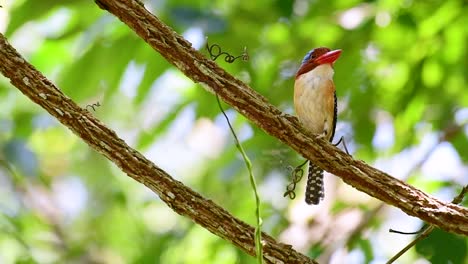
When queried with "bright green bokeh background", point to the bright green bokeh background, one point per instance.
{"points": [[401, 80]]}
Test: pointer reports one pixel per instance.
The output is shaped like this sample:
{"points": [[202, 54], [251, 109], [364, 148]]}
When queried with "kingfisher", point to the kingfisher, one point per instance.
{"points": [[316, 107]]}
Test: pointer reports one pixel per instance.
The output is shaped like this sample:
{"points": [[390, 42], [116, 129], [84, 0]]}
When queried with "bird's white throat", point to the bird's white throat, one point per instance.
{"points": [[320, 73]]}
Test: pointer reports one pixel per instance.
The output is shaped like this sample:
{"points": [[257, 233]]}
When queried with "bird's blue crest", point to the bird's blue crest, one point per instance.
{"points": [[307, 56]]}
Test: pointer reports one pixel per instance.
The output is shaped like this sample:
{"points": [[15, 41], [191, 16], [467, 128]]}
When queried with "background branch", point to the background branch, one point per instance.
{"points": [[178, 51], [177, 196]]}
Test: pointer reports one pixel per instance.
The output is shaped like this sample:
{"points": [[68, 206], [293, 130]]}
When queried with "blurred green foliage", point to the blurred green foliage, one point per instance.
{"points": [[401, 81]]}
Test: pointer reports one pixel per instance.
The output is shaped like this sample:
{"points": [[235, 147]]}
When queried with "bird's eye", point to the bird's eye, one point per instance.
{"points": [[308, 57]]}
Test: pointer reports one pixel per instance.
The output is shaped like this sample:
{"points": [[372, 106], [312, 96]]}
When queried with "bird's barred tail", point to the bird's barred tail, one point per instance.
{"points": [[314, 189]]}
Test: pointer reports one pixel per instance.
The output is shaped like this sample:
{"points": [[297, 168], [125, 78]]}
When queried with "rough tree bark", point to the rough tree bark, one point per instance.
{"points": [[177, 196], [178, 51], [182, 199]]}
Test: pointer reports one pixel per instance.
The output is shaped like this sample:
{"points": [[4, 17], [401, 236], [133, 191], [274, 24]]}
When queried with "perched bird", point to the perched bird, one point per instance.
{"points": [[316, 107]]}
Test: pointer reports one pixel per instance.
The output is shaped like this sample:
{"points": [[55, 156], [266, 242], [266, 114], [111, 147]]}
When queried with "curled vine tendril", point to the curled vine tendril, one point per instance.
{"points": [[93, 106], [297, 174], [215, 51]]}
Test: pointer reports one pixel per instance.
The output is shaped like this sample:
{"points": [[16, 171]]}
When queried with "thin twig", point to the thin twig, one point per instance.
{"points": [[423, 235], [427, 230], [406, 233], [248, 163], [446, 135]]}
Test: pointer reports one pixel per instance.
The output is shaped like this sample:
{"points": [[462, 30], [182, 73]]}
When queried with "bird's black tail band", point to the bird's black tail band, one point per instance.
{"points": [[314, 188]]}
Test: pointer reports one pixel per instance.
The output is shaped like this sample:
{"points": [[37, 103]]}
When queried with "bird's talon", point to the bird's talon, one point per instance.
{"points": [[320, 136]]}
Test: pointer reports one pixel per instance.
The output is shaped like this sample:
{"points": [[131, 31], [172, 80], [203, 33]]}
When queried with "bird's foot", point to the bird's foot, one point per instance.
{"points": [[320, 136]]}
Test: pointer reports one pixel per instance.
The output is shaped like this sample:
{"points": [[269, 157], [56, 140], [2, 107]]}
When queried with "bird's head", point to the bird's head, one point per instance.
{"points": [[317, 57]]}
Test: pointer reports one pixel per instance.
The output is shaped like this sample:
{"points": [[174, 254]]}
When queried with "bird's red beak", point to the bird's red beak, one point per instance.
{"points": [[329, 57]]}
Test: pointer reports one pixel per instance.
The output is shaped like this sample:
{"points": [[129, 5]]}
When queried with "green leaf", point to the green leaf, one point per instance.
{"points": [[443, 247]]}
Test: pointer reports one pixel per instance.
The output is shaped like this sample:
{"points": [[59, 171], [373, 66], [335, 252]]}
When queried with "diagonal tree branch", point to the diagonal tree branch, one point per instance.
{"points": [[179, 197], [184, 200], [178, 51]]}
